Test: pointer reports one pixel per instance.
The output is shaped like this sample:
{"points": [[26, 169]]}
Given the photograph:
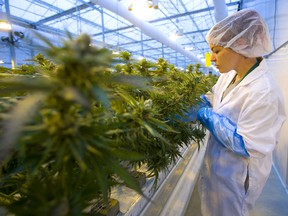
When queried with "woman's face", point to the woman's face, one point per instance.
{"points": [[225, 59]]}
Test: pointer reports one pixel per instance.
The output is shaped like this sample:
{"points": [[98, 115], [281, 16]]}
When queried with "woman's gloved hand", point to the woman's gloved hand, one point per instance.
{"points": [[205, 102], [191, 114], [223, 129]]}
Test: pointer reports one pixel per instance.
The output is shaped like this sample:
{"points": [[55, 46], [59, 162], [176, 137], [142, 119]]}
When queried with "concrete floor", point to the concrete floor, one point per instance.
{"points": [[272, 202]]}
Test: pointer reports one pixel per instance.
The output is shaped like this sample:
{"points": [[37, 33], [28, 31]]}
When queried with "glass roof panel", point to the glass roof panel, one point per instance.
{"points": [[187, 21]]}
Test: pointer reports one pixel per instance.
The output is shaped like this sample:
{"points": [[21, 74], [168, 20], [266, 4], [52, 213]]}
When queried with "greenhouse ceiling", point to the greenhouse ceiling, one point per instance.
{"points": [[181, 26]]}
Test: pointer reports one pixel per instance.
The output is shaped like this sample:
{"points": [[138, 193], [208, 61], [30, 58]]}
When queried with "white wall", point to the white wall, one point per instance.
{"points": [[276, 15], [279, 63]]}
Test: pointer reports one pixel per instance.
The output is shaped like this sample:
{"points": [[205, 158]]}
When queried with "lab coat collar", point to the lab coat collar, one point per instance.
{"points": [[255, 74]]}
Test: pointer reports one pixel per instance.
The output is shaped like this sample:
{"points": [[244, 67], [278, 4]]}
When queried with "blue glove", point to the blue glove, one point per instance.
{"points": [[205, 102], [191, 114], [224, 130]]}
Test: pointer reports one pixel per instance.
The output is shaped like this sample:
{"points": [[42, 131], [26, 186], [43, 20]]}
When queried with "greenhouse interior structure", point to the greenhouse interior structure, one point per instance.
{"points": [[94, 100]]}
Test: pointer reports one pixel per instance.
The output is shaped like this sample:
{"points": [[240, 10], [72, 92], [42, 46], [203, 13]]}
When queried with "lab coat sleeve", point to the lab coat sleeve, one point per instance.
{"points": [[224, 130], [260, 122]]}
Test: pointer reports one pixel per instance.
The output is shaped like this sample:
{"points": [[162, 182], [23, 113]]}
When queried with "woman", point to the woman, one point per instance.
{"points": [[245, 118]]}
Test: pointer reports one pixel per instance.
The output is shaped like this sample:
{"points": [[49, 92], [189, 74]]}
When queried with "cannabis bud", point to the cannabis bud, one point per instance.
{"points": [[148, 104]]}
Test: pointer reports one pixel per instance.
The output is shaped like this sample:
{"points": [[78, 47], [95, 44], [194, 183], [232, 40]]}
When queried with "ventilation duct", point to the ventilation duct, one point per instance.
{"points": [[148, 29], [220, 10]]}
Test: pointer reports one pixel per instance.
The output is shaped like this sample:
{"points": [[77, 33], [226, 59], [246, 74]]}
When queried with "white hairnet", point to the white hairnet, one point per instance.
{"points": [[245, 32]]}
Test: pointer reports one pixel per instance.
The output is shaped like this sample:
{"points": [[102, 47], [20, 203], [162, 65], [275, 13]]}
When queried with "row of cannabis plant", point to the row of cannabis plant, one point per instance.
{"points": [[75, 123]]}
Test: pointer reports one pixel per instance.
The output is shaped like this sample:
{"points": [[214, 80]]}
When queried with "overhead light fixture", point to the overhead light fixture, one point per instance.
{"points": [[189, 48], [140, 4], [150, 3], [4, 24], [130, 8], [140, 9], [115, 52], [179, 33], [173, 37], [201, 56], [155, 4]]}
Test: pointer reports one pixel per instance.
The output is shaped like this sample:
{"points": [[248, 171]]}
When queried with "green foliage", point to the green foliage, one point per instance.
{"points": [[173, 93], [81, 123], [4, 69]]}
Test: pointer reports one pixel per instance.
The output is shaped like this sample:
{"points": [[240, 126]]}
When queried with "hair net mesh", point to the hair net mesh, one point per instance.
{"points": [[245, 32]]}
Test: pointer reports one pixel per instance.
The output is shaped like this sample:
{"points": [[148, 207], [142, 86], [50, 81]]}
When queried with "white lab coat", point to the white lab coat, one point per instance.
{"points": [[256, 106]]}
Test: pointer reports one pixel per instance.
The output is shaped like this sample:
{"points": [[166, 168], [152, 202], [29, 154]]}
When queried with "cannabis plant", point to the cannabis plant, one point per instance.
{"points": [[75, 125], [173, 93], [57, 153]]}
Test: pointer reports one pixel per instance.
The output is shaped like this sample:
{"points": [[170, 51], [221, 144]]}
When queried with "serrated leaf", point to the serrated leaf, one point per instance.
{"points": [[162, 125], [24, 84], [78, 156], [129, 180], [5, 199], [103, 182]]}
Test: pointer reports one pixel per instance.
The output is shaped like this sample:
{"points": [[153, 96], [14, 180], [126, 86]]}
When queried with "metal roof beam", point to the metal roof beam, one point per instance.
{"points": [[68, 12], [73, 10], [197, 27], [41, 3], [26, 24], [191, 13], [166, 18], [44, 28], [63, 13]]}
